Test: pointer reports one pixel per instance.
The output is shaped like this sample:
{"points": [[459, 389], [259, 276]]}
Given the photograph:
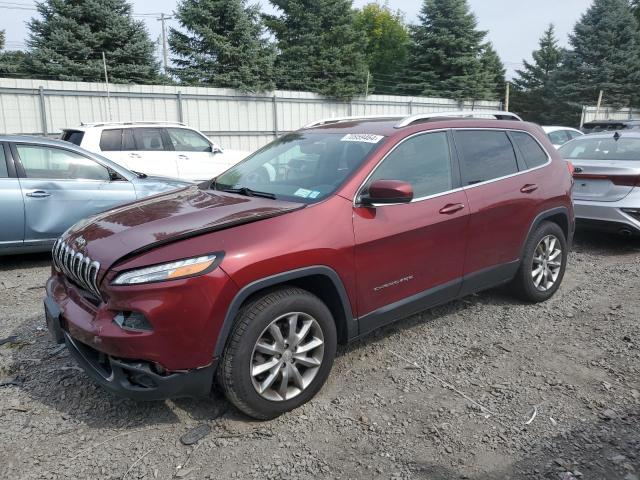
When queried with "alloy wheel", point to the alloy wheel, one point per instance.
{"points": [[287, 356], [547, 262]]}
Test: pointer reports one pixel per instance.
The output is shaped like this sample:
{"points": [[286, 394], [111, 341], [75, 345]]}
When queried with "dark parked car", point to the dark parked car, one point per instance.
{"points": [[254, 278], [610, 125], [48, 185]]}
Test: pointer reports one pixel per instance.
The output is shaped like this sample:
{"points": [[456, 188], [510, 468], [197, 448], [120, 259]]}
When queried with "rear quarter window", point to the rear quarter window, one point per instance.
{"points": [[4, 172], [485, 155], [532, 153], [73, 136]]}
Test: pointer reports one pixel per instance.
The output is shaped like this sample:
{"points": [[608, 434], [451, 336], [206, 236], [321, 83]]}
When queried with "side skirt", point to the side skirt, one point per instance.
{"points": [[473, 283]]}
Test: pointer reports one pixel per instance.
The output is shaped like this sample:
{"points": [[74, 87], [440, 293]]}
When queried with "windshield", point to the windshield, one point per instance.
{"points": [[599, 148], [302, 167]]}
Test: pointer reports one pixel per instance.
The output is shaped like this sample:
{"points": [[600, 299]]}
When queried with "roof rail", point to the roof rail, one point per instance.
{"points": [[497, 114], [326, 121], [102, 124]]}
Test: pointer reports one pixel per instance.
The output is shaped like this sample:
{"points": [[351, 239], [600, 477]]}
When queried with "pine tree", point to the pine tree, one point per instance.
{"points": [[605, 56], [387, 44], [68, 41], [494, 71], [319, 48], [223, 45], [535, 94], [635, 7], [445, 56]]}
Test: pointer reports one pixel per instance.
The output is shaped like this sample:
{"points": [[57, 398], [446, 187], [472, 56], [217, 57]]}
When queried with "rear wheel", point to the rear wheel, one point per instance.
{"points": [[543, 263], [279, 354]]}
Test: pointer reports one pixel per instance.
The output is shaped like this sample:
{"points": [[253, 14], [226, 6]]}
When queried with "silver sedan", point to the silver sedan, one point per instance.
{"points": [[48, 185], [606, 192]]}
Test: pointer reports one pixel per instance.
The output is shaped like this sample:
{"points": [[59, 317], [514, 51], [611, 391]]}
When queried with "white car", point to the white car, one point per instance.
{"points": [[561, 135], [156, 148]]}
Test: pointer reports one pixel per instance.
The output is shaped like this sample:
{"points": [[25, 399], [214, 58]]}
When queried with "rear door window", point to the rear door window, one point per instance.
{"points": [[485, 155], [559, 137], [532, 152], [111, 140], [73, 136], [148, 139]]}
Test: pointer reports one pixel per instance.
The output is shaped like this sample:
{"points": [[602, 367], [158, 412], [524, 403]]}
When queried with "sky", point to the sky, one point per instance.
{"points": [[514, 26]]}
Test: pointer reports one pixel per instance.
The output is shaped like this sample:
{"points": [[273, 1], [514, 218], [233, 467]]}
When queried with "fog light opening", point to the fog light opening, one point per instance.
{"points": [[134, 321]]}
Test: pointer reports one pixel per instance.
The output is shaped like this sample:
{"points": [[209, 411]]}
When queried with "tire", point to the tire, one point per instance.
{"points": [[524, 284], [257, 322]]}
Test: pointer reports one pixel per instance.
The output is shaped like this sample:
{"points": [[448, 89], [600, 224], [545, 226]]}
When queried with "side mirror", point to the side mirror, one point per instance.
{"points": [[215, 148], [387, 192]]}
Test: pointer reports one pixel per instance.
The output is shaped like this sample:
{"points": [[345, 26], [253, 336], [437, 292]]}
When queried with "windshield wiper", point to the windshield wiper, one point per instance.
{"points": [[250, 193], [140, 174]]}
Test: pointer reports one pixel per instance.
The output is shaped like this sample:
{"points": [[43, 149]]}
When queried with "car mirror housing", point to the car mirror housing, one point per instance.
{"points": [[215, 148], [388, 192]]}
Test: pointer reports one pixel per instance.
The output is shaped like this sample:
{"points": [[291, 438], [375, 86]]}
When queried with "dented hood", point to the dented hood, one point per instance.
{"points": [[140, 226]]}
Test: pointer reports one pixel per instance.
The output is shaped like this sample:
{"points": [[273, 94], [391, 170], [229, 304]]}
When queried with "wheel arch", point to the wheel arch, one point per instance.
{"points": [[559, 216], [320, 280]]}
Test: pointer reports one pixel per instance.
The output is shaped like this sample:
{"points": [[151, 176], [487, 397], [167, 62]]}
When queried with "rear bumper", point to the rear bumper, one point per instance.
{"points": [[608, 216]]}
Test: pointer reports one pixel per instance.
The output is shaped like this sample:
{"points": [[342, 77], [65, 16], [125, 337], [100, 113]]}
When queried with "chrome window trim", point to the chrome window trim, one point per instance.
{"points": [[466, 187]]}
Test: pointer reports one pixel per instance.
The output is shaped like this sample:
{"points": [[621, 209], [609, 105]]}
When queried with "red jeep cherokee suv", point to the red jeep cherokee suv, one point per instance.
{"points": [[318, 238]]}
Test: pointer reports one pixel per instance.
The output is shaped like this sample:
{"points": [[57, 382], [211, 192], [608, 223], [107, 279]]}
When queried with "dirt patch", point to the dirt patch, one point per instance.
{"points": [[481, 388]]}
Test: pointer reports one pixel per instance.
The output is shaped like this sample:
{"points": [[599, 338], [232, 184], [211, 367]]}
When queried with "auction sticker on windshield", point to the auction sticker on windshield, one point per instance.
{"points": [[362, 137]]}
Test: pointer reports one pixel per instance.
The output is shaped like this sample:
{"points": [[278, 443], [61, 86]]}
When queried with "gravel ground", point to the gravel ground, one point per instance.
{"points": [[447, 394]]}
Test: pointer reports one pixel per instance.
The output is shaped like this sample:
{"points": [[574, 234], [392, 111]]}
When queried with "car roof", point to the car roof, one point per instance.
{"points": [[555, 128], [612, 122], [83, 127], [610, 133], [388, 126]]}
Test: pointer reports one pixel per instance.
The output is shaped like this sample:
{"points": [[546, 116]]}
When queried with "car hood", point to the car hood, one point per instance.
{"points": [[166, 218]]}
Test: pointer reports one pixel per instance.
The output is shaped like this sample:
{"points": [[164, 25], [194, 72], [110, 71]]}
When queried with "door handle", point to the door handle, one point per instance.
{"points": [[529, 188], [134, 155], [183, 157], [451, 208], [38, 194]]}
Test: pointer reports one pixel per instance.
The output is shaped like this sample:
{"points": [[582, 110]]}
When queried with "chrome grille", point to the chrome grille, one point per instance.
{"points": [[77, 267]]}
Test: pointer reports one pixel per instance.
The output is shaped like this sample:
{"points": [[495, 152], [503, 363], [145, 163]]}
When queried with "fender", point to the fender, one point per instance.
{"points": [[281, 278], [564, 211]]}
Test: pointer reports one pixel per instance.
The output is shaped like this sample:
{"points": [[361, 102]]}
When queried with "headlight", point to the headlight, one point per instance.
{"points": [[167, 271]]}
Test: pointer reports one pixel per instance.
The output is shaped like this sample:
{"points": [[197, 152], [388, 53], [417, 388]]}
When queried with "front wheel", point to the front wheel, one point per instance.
{"points": [[279, 354], [543, 263]]}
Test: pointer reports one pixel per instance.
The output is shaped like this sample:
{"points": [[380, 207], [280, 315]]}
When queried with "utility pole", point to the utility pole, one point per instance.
{"points": [[165, 50], [599, 104], [366, 91], [506, 96], [106, 81]]}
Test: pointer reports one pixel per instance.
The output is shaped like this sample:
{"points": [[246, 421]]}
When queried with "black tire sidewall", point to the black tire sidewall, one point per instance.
{"points": [[295, 301], [527, 288]]}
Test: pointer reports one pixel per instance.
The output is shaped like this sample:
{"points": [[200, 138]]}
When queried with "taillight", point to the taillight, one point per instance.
{"points": [[620, 180], [570, 167]]}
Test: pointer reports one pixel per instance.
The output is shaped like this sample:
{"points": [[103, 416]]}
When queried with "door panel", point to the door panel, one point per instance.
{"points": [[403, 250], [62, 187], [145, 150], [503, 202], [11, 205], [411, 249]]}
